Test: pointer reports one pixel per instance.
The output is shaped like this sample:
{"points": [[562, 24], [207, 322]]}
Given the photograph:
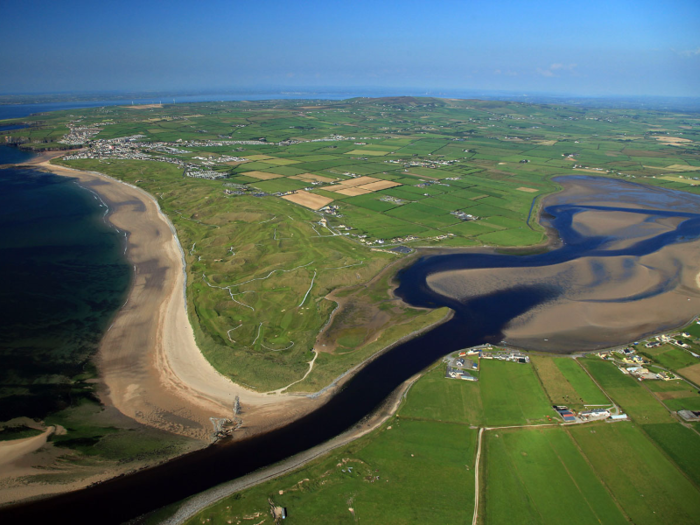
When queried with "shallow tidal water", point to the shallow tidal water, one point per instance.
{"points": [[64, 276]]}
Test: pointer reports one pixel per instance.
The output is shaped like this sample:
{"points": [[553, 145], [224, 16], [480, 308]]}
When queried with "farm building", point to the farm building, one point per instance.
{"points": [[566, 414], [595, 413], [619, 417], [689, 415], [456, 373], [506, 355]]}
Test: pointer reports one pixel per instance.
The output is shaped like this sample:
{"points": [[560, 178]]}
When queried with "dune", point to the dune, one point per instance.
{"points": [[151, 368]]}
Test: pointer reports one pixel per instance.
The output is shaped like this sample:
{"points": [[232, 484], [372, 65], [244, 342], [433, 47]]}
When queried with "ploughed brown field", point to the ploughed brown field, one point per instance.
{"points": [[310, 200]]}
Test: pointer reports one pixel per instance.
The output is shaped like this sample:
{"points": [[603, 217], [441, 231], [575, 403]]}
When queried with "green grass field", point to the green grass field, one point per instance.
{"points": [[511, 394], [649, 488], [626, 391], [671, 357], [436, 398], [424, 461], [539, 476], [581, 382], [681, 444], [506, 394], [390, 467]]}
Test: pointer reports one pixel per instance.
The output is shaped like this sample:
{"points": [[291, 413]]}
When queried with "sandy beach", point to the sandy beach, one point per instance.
{"points": [[149, 362]]}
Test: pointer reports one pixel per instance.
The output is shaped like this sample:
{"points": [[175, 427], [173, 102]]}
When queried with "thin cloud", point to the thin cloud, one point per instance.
{"points": [[552, 70], [689, 53]]}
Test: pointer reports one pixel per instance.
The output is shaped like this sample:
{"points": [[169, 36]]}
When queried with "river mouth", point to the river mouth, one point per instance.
{"points": [[524, 299], [625, 264]]}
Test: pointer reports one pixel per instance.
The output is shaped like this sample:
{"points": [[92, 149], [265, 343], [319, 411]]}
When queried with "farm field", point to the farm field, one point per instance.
{"points": [[506, 394], [676, 395], [403, 459], [511, 394], [671, 357], [496, 175], [582, 383], [603, 472], [436, 398], [645, 404], [389, 467], [524, 466], [633, 397], [648, 487], [682, 444], [691, 372], [566, 383]]}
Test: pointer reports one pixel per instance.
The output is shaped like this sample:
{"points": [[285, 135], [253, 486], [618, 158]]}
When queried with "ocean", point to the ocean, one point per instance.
{"points": [[64, 277]]}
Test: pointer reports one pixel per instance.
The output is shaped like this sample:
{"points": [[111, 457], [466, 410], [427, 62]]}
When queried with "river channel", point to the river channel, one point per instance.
{"points": [[614, 246]]}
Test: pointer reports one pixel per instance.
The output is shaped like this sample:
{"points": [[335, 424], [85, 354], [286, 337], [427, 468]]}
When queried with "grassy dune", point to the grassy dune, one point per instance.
{"points": [[259, 270]]}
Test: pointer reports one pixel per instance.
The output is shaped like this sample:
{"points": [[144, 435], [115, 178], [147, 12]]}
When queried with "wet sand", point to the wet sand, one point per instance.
{"points": [[603, 300], [150, 366]]}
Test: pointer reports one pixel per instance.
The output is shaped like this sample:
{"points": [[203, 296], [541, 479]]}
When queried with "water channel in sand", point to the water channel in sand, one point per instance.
{"points": [[625, 263]]}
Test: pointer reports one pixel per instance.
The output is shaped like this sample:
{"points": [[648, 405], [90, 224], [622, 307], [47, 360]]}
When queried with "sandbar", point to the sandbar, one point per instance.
{"points": [[601, 301]]}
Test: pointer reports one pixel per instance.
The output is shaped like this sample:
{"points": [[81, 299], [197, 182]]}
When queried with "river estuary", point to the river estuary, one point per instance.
{"points": [[617, 248]]}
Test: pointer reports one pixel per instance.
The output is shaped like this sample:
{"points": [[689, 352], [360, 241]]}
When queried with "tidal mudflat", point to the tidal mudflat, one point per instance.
{"points": [[625, 264]]}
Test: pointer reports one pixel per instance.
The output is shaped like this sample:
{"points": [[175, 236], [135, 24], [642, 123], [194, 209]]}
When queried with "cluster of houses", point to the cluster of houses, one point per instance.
{"points": [[404, 239], [580, 167], [198, 172], [640, 365], [594, 414], [80, 134], [458, 373], [393, 200], [638, 368], [125, 149], [332, 210], [674, 340], [515, 356], [464, 216], [210, 161], [458, 368]]}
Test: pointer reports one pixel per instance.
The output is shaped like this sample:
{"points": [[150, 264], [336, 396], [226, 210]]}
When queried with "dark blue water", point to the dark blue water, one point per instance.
{"points": [[63, 277], [10, 155], [475, 321], [13, 127]]}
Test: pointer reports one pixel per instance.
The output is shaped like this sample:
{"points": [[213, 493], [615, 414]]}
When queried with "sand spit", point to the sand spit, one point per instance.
{"points": [[149, 362], [13, 450], [602, 300]]}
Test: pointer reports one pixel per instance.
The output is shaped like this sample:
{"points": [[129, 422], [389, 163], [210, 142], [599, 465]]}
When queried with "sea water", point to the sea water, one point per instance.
{"points": [[64, 276]]}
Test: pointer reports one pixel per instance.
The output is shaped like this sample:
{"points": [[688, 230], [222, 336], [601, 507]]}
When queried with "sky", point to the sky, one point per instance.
{"points": [[591, 48]]}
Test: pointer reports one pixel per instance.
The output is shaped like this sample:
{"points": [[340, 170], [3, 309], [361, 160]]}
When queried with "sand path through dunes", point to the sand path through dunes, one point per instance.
{"points": [[149, 362]]}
